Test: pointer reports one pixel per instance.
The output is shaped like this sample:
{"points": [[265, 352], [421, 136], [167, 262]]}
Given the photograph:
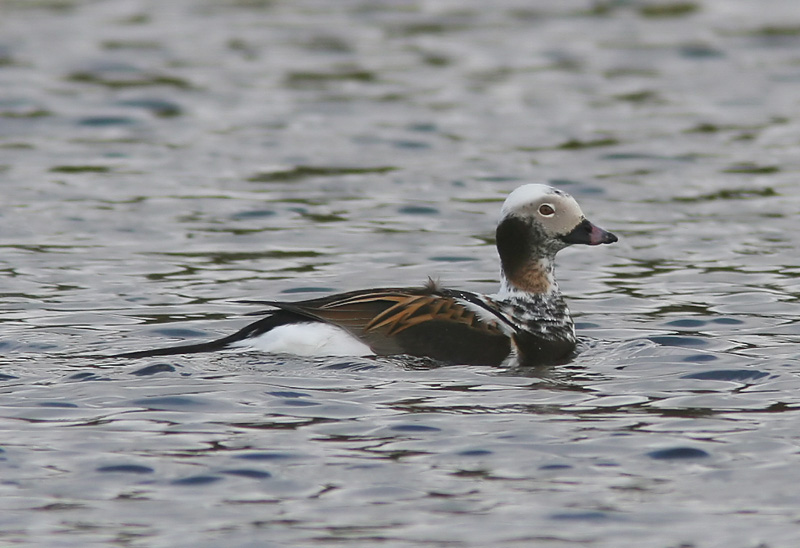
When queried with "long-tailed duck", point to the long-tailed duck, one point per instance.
{"points": [[526, 322]]}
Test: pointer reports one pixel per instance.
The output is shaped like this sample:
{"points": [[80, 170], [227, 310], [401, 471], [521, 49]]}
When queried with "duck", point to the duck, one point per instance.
{"points": [[526, 322]]}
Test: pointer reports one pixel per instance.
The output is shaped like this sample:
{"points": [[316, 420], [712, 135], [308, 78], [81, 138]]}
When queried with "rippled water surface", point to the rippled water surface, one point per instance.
{"points": [[161, 160]]}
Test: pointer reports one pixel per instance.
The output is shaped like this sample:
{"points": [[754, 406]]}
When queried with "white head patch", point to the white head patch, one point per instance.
{"points": [[526, 195], [562, 212]]}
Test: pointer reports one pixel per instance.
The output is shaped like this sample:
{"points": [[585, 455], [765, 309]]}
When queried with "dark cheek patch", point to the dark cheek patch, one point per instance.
{"points": [[521, 262], [513, 245]]}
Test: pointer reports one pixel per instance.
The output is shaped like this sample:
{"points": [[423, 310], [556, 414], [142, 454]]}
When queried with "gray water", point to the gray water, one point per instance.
{"points": [[161, 160]]}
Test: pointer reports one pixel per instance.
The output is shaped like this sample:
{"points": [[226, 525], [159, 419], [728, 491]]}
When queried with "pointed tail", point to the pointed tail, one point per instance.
{"points": [[253, 330]]}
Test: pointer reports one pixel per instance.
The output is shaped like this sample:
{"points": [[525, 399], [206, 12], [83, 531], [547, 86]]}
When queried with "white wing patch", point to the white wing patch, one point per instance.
{"points": [[307, 339]]}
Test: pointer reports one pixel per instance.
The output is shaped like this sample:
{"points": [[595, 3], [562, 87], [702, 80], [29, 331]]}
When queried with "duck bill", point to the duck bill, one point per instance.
{"points": [[589, 234]]}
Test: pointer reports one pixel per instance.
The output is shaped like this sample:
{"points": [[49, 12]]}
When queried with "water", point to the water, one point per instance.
{"points": [[160, 160]]}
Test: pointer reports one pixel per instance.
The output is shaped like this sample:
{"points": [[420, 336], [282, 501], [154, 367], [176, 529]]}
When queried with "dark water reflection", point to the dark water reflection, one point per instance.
{"points": [[164, 160]]}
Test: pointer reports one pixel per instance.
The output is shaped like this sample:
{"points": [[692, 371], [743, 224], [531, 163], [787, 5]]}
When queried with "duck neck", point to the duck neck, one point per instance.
{"points": [[536, 276], [527, 262]]}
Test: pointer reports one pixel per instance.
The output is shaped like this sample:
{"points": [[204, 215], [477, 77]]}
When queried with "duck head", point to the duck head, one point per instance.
{"points": [[537, 221]]}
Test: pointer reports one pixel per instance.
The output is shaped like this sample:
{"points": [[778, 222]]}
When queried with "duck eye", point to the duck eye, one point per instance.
{"points": [[546, 210]]}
